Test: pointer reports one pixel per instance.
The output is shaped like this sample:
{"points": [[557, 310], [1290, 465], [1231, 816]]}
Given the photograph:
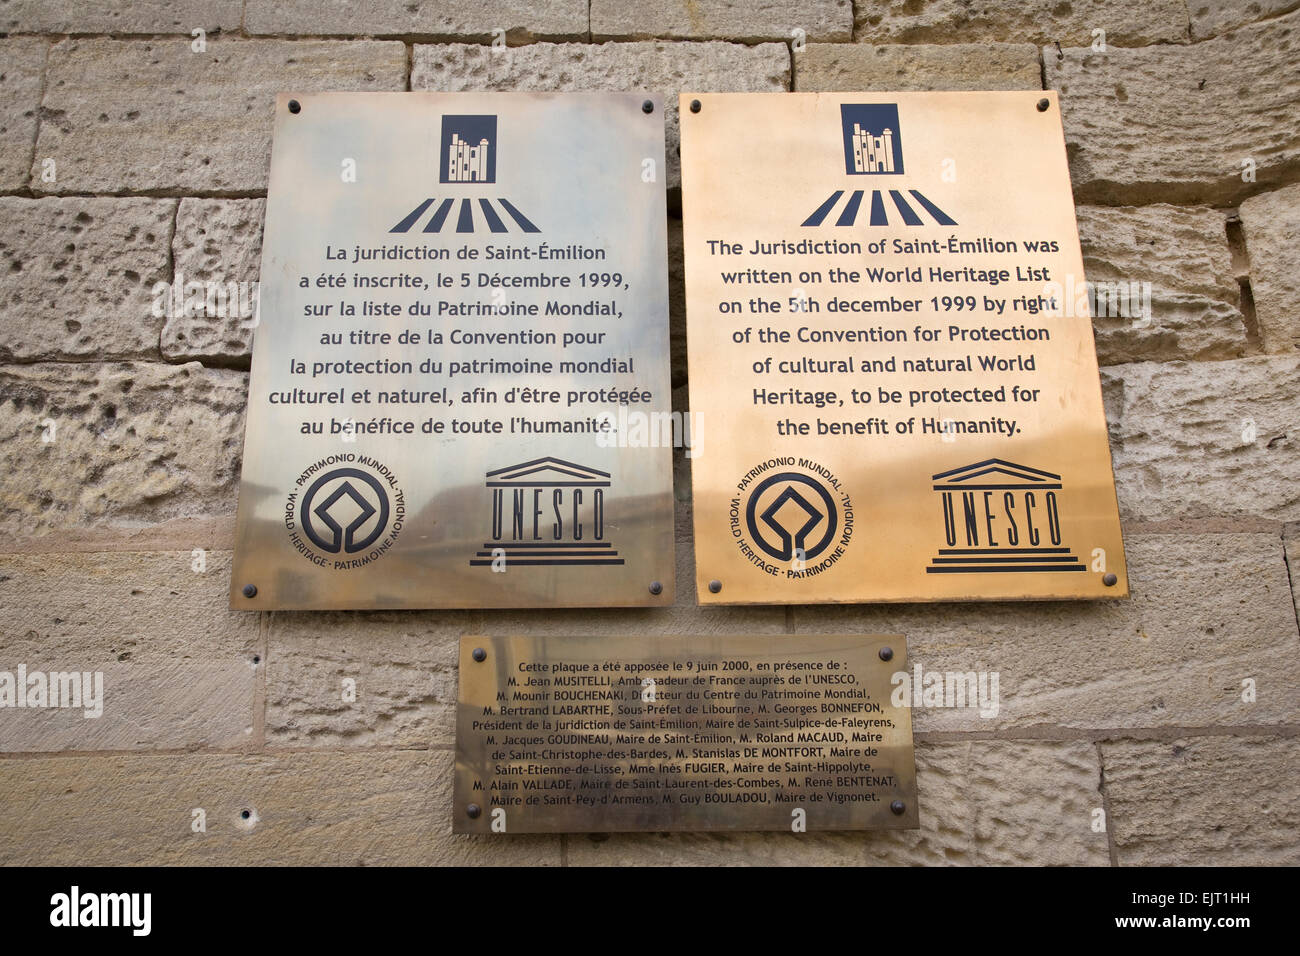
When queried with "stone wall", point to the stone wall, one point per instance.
{"points": [[128, 157]]}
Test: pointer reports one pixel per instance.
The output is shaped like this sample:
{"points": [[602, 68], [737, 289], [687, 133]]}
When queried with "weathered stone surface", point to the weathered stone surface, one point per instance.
{"points": [[1194, 439], [1204, 801], [1036, 21], [982, 803], [1271, 223], [132, 444], [128, 115], [747, 20], [403, 666], [1212, 17], [119, 16], [216, 240], [476, 19], [1183, 253], [361, 808], [667, 68], [79, 277], [1206, 611], [21, 63], [960, 66], [1292, 544], [1175, 123], [178, 666]]}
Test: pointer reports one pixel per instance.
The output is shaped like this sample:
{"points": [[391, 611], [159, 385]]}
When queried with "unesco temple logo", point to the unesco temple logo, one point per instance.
{"points": [[467, 157], [547, 511], [1001, 517], [873, 146]]}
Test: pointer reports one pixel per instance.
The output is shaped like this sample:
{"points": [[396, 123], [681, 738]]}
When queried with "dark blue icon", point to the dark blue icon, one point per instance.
{"points": [[872, 143], [878, 216], [469, 150]]}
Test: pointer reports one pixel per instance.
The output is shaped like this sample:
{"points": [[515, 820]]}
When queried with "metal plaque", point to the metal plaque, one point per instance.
{"points": [[460, 374], [594, 734], [891, 352]]}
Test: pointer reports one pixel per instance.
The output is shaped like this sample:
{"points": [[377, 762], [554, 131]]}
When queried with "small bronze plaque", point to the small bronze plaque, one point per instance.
{"points": [[460, 387], [583, 734], [891, 352]]}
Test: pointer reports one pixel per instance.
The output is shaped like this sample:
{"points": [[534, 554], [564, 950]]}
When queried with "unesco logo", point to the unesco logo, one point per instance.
{"points": [[791, 517], [1001, 517], [467, 157], [346, 511], [547, 512]]}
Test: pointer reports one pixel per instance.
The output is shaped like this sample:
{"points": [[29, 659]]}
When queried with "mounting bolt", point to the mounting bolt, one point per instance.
{"points": [[656, 587], [295, 106], [1043, 104], [250, 590], [886, 653], [1110, 579], [479, 655], [648, 106], [715, 586], [898, 806], [473, 810], [695, 106]]}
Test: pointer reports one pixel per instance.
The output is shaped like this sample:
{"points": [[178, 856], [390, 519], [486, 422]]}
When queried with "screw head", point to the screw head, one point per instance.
{"points": [[715, 586], [1110, 579], [250, 591], [656, 587], [479, 655], [295, 106], [1043, 104], [473, 810], [886, 653], [898, 806], [648, 106], [695, 106]]}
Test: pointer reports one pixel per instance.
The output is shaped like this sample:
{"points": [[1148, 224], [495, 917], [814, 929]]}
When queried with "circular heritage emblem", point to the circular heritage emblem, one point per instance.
{"points": [[345, 511], [792, 517]]}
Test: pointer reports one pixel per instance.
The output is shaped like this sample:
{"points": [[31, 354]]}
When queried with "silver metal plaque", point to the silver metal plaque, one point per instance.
{"points": [[460, 389], [592, 734]]}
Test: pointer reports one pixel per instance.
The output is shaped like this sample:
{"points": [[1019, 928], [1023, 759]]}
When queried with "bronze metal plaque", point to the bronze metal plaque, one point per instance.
{"points": [[891, 352], [584, 734], [460, 377]]}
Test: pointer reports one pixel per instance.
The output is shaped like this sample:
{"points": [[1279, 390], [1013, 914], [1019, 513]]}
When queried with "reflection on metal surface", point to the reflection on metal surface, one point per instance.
{"points": [[891, 350], [583, 734], [461, 367]]}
